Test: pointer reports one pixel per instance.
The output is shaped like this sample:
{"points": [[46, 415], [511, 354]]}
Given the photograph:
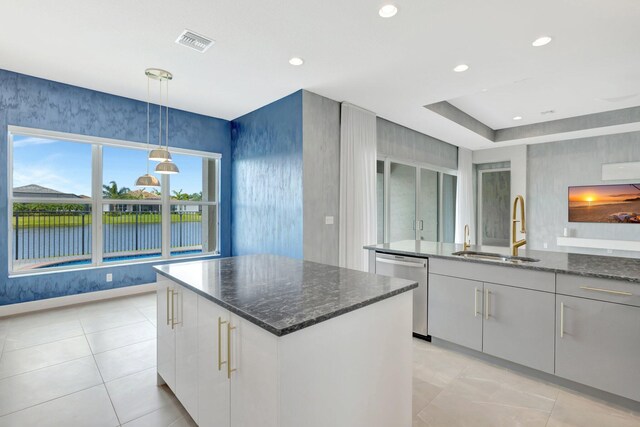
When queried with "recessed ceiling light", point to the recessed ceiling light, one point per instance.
{"points": [[387, 11], [485, 90], [517, 118], [541, 41], [460, 68], [296, 61]]}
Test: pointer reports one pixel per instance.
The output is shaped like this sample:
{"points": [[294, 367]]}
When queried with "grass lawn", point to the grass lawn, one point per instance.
{"points": [[45, 221]]}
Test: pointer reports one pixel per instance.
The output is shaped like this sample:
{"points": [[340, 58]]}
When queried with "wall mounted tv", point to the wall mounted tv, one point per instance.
{"points": [[618, 203]]}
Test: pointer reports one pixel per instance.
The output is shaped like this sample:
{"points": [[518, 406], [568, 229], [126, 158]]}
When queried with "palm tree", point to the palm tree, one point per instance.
{"points": [[113, 192], [179, 195]]}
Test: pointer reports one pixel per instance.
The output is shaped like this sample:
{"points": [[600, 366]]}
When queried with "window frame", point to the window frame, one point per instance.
{"points": [[97, 201]]}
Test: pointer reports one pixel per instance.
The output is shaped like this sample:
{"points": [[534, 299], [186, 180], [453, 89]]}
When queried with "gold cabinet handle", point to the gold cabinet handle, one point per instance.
{"points": [[173, 316], [606, 291], [167, 305], [475, 302], [561, 320], [229, 329], [486, 303], [220, 362]]}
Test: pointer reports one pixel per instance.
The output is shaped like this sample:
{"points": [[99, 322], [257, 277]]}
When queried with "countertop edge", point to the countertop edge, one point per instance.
{"points": [[531, 266], [279, 332]]}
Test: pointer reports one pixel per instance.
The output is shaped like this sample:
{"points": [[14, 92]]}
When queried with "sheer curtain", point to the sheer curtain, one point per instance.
{"points": [[465, 213], [357, 185]]}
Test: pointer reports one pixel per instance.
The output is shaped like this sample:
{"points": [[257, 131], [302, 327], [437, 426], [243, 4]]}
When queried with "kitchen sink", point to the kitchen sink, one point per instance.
{"points": [[490, 256]]}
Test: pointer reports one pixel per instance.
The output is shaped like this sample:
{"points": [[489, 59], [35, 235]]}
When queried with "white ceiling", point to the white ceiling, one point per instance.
{"points": [[391, 66]]}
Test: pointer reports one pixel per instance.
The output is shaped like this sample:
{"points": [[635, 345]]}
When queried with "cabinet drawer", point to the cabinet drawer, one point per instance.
{"points": [[504, 275], [619, 291]]}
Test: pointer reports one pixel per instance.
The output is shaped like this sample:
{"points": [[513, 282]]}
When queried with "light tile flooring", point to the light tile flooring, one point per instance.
{"points": [[94, 365], [87, 365]]}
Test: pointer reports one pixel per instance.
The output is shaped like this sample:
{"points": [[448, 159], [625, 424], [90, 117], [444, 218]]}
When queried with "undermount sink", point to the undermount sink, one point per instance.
{"points": [[490, 256]]}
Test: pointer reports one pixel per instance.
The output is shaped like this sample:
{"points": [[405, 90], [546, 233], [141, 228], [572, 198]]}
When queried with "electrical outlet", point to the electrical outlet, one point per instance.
{"points": [[328, 220], [109, 277], [545, 245], [609, 251]]}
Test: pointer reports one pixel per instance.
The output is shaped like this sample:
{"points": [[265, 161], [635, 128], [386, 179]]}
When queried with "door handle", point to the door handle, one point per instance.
{"points": [[486, 303], [220, 362], [167, 305], [173, 313], [475, 302], [561, 320], [607, 291], [421, 224], [402, 263], [229, 369]]}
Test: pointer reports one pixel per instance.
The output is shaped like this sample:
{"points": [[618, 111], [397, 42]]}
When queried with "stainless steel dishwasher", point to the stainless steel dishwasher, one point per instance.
{"points": [[411, 268]]}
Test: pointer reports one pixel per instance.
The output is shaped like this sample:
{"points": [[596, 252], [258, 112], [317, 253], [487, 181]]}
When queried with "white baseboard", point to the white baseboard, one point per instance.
{"points": [[45, 304]]}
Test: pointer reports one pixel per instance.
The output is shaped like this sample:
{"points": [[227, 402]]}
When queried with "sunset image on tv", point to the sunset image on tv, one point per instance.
{"points": [[605, 203]]}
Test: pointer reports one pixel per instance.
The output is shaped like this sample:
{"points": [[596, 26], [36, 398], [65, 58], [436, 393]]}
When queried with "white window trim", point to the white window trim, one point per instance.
{"points": [[97, 201]]}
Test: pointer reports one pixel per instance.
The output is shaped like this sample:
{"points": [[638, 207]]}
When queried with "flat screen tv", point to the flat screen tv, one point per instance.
{"points": [[618, 203]]}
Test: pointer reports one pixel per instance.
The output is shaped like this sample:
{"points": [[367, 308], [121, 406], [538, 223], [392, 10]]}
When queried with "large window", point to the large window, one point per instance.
{"points": [[73, 203], [415, 202]]}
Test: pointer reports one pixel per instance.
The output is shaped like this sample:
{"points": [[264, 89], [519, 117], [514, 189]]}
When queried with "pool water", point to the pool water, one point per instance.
{"points": [[117, 258]]}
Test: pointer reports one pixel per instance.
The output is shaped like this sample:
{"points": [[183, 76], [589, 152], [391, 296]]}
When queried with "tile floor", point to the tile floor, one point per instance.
{"points": [[94, 365]]}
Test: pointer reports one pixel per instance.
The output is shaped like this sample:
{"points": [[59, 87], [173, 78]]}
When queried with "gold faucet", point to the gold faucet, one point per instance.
{"points": [[466, 244], [516, 244]]}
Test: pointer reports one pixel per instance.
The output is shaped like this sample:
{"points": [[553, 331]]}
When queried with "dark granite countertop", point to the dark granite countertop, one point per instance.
{"points": [[280, 294], [558, 262]]}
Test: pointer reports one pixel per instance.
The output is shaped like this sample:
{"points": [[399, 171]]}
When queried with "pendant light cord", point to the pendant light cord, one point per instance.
{"points": [[166, 138], [148, 146], [160, 116]]}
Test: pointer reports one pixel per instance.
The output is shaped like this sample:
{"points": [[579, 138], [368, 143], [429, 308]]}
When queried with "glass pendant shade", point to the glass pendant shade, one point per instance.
{"points": [[159, 155], [147, 181], [167, 168]]}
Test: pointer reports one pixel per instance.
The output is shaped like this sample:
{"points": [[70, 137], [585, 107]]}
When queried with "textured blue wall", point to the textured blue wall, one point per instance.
{"points": [[266, 181], [32, 102]]}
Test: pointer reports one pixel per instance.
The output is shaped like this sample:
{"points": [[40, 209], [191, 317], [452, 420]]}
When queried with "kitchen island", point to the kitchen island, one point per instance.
{"points": [[569, 316], [272, 341]]}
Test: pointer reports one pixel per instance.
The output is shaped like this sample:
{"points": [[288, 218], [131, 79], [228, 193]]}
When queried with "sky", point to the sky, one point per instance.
{"points": [[604, 193], [66, 166]]}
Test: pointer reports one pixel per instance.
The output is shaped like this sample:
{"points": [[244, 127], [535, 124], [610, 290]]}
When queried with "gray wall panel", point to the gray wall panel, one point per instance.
{"points": [[321, 177], [553, 167], [402, 143]]}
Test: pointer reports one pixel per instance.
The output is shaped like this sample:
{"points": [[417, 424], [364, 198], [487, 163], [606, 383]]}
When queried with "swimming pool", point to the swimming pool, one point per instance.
{"points": [[116, 259]]}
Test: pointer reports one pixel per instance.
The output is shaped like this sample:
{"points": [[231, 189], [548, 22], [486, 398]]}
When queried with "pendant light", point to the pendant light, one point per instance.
{"points": [[166, 165], [147, 180]]}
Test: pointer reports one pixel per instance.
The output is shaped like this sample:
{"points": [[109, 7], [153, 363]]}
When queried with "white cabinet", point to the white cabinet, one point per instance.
{"points": [[254, 377], [166, 338], [512, 323], [177, 342], [229, 372], [598, 344], [455, 310], [213, 380], [186, 329], [518, 325]]}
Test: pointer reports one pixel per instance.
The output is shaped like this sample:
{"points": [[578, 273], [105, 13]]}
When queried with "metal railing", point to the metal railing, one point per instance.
{"points": [[54, 234]]}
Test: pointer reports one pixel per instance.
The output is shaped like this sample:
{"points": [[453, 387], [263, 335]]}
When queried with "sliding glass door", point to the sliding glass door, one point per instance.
{"points": [[402, 202], [414, 203]]}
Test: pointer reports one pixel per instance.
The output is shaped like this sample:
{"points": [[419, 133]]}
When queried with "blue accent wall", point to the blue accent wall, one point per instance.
{"points": [[37, 103], [266, 180]]}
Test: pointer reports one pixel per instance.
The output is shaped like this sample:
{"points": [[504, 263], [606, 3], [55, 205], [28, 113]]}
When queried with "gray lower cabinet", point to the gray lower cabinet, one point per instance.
{"points": [[455, 310], [519, 326], [598, 344]]}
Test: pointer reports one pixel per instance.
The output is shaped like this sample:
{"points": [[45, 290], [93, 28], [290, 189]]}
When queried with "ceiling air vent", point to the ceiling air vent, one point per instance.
{"points": [[194, 41]]}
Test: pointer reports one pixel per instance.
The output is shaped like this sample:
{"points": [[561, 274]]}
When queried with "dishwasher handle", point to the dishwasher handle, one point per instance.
{"points": [[402, 263]]}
